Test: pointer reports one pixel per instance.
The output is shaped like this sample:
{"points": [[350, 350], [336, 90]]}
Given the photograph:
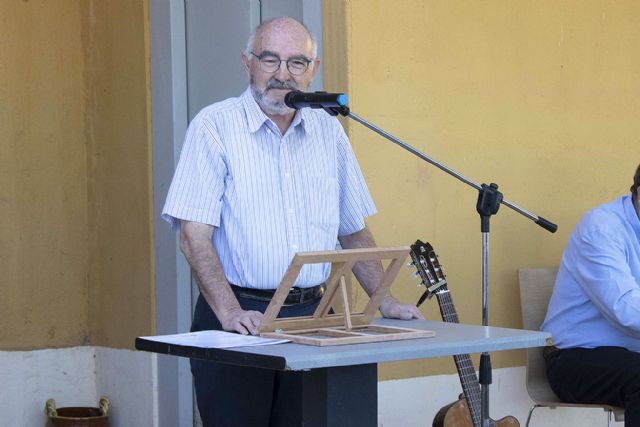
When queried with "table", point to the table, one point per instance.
{"points": [[340, 382]]}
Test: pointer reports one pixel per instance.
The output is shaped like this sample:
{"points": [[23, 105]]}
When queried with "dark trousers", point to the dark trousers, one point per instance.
{"points": [[609, 375], [237, 396]]}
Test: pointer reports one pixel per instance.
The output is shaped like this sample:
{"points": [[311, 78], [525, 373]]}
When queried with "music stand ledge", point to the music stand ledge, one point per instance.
{"points": [[325, 329]]}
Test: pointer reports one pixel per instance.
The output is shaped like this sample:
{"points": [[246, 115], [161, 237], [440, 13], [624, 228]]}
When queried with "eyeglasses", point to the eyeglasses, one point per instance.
{"points": [[271, 63]]}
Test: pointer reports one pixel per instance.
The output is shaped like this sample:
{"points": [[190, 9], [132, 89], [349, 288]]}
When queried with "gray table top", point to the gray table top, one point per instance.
{"points": [[450, 339]]}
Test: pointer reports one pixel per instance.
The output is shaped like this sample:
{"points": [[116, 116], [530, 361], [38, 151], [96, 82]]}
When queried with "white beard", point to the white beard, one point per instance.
{"points": [[268, 105]]}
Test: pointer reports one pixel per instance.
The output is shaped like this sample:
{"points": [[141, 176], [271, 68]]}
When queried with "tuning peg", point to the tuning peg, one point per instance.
{"points": [[411, 264], [416, 274], [421, 283]]}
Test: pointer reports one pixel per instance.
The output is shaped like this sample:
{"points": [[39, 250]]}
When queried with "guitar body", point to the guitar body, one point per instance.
{"points": [[457, 414]]}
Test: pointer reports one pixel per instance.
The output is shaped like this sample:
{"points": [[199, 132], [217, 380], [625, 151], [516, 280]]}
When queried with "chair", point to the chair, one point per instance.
{"points": [[536, 285]]}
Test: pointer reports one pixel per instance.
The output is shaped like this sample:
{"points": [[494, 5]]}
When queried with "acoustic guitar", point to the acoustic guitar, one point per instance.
{"points": [[467, 410]]}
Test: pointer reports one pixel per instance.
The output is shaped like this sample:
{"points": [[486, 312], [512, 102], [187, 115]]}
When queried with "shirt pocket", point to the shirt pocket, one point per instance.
{"points": [[323, 214]]}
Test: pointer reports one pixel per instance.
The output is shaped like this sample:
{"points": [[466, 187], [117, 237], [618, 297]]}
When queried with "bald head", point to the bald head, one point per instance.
{"points": [[283, 26]]}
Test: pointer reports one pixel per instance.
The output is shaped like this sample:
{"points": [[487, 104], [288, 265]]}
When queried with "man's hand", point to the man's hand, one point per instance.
{"points": [[391, 308], [239, 320], [195, 242]]}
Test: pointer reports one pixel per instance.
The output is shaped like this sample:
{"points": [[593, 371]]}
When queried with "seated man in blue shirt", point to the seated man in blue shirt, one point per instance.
{"points": [[256, 183], [594, 312]]}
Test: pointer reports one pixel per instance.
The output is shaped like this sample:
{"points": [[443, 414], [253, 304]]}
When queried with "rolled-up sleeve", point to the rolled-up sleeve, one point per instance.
{"points": [[198, 184], [355, 200]]}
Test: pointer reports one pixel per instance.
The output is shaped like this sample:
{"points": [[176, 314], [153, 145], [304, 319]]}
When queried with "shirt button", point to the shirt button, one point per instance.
{"points": [[294, 247]]}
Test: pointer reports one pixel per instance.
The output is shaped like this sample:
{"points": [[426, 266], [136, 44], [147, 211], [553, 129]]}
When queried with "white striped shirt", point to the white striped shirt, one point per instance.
{"points": [[268, 195]]}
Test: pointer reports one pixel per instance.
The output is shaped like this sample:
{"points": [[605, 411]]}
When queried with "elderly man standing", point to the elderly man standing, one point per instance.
{"points": [[256, 183], [594, 312]]}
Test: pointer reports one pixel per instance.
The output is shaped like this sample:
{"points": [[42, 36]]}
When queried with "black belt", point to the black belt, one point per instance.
{"points": [[296, 295]]}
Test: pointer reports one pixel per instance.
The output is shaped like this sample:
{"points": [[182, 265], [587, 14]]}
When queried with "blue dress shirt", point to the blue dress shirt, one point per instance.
{"points": [[596, 299], [268, 195]]}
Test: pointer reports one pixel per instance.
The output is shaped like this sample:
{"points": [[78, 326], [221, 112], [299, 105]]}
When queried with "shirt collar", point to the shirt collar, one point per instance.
{"points": [[256, 118], [301, 120]]}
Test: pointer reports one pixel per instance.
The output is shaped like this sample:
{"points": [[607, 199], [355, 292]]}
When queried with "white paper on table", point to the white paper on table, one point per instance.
{"points": [[214, 339]]}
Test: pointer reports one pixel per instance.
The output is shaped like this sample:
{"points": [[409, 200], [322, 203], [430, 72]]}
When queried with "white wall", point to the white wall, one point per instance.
{"points": [[414, 402], [79, 376]]}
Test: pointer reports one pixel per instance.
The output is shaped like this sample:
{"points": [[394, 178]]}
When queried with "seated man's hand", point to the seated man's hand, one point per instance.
{"points": [[393, 309], [244, 322]]}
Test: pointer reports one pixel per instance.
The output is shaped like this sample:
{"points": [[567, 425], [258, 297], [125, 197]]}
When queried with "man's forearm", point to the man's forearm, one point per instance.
{"points": [[195, 242], [368, 273]]}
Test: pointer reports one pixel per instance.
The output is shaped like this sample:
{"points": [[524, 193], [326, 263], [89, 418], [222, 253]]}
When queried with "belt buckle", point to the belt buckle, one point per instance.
{"points": [[302, 299], [300, 295], [294, 297]]}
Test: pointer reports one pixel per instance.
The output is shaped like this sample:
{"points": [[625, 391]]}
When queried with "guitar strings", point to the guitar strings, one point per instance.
{"points": [[466, 371]]}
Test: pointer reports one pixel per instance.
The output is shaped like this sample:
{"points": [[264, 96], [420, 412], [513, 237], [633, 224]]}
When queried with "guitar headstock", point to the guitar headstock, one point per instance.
{"points": [[428, 267]]}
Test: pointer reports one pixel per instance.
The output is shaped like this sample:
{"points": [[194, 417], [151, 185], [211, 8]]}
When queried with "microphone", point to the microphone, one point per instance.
{"points": [[296, 100]]}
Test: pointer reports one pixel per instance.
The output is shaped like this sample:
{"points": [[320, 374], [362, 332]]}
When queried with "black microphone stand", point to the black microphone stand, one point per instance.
{"points": [[489, 201]]}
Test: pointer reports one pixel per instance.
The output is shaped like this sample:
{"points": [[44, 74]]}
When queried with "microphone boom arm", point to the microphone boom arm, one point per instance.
{"points": [[345, 111]]}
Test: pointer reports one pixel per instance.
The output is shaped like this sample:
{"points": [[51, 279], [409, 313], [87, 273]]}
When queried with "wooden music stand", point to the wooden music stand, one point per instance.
{"points": [[322, 328]]}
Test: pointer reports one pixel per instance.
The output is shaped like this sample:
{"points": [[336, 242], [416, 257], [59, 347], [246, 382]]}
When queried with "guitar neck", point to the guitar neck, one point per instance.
{"points": [[464, 364]]}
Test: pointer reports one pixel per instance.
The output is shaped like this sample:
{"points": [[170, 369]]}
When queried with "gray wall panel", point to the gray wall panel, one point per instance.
{"points": [[216, 35]]}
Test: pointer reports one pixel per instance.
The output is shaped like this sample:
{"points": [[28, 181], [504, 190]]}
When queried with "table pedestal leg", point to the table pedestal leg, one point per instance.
{"points": [[340, 396]]}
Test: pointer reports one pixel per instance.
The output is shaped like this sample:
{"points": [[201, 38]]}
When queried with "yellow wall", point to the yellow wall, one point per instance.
{"points": [[43, 228], [75, 251], [540, 97], [120, 174]]}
